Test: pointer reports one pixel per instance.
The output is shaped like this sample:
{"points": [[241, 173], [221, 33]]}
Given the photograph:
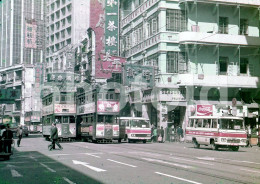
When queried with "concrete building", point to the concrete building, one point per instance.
{"points": [[206, 54], [21, 49]]}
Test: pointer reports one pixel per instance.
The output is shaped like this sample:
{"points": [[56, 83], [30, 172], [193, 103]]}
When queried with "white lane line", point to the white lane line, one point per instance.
{"points": [[122, 163], [243, 161], [191, 161], [206, 158], [33, 158], [169, 163], [250, 170], [64, 154], [88, 166], [47, 167], [15, 173], [92, 155], [67, 180], [178, 178]]}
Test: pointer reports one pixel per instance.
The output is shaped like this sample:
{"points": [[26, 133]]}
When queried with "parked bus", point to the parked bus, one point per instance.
{"points": [[222, 131], [133, 129], [97, 109], [59, 107]]}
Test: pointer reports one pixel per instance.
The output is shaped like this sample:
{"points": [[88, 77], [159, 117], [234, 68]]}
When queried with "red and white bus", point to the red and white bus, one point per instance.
{"points": [[133, 129], [216, 131]]}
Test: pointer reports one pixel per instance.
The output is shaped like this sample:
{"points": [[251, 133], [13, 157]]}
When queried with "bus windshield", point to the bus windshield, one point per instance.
{"points": [[231, 124], [139, 124]]}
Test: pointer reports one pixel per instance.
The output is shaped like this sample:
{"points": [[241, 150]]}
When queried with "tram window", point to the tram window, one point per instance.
{"points": [[72, 119], [206, 123], [68, 98], [65, 119], [195, 123], [57, 98], [63, 98], [111, 96], [100, 96], [199, 124], [106, 96], [116, 96]]}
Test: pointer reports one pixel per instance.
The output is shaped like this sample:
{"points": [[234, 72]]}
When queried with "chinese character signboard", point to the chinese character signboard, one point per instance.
{"points": [[138, 75], [38, 78], [111, 27], [204, 110], [62, 77], [177, 94], [30, 35], [109, 64], [108, 106]]}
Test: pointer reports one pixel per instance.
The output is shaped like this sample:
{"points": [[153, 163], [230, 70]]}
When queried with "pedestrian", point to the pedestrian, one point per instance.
{"points": [[19, 134], [54, 137], [155, 134], [2, 129], [162, 134], [8, 139], [180, 133], [248, 131]]}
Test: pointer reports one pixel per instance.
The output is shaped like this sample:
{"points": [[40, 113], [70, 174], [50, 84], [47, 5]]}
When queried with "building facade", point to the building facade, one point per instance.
{"points": [[206, 54], [21, 49]]}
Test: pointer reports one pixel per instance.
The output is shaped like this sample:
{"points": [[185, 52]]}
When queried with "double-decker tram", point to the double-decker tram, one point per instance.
{"points": [[97, 109], [59, 107], [216, 131]]}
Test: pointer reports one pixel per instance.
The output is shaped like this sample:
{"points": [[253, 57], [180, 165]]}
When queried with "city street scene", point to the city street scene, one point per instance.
{"points": [[129, 91]]}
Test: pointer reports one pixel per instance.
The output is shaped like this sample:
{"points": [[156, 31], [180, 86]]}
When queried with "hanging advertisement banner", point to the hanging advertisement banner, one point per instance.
{"points": [[108, 106]]}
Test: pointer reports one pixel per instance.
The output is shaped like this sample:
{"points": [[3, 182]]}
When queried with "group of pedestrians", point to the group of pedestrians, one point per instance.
{"points": [[158, 134], [6, 139]]}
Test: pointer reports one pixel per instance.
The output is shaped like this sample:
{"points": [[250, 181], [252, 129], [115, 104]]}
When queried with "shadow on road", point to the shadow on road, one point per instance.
{"points": [[34, 167]]}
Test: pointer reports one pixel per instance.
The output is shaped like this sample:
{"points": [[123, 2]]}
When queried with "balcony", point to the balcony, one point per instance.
{"points": [[216, 80], [212, 38], [235, 2]]}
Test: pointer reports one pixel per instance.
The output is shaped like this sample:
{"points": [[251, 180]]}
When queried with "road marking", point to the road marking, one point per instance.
{"points": [[169, 163], [191, 161], [147, 153], [88, 166], [206, 158], [121, 163], [47, 167], [182, 179], [62, 154], [243, 161], [67, 180], [33, 158], [92, 155], [250, 170], [15, 173]]}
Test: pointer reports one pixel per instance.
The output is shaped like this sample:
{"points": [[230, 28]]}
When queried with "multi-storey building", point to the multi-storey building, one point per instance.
{"points": [[21, 49], [66, 23], [206, 52]]}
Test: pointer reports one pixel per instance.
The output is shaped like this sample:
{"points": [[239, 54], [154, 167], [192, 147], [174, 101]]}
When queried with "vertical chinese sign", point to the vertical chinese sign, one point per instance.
{"points": [[37, 91], [111, 27], [30, 35]]}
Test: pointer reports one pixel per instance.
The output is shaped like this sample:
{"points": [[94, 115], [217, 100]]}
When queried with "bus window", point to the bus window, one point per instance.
{"points": [[206, 123], [195, 123], [199, 123], [214, 123]]}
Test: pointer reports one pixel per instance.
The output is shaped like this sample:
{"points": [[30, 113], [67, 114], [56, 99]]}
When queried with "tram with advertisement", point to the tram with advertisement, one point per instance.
{"points": [[59, 107], [97, 109], [134, 129], [216, 131]]}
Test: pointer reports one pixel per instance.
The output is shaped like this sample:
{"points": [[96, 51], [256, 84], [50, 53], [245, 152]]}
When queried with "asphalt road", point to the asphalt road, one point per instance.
{"points": [[158, 163]]}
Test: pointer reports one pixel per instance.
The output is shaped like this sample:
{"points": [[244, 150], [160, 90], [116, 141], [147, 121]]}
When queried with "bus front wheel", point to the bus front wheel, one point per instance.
{"points": [[214, 146], [234, 148], [195, 143]]}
